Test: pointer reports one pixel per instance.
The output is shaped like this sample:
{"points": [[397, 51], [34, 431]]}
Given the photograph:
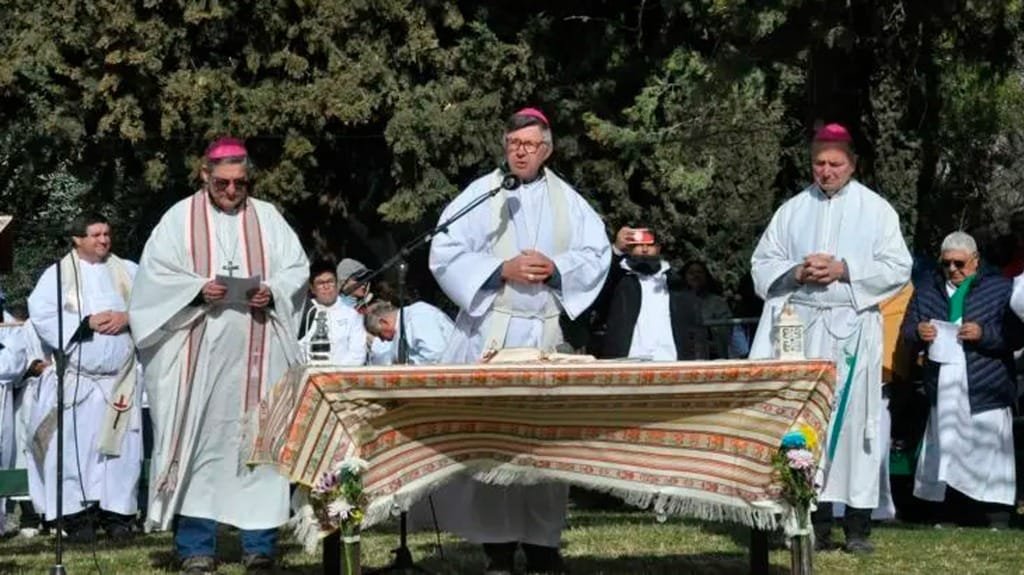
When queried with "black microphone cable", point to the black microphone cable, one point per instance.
{"points": [[91, 517]]}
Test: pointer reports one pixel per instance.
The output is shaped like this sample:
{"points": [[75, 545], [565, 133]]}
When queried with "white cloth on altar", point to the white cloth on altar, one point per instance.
{"points": [[345, 331], [970, 452], [652, 334], [429, 330], [89, 384], [213, 482], [840, 320], [463, 262]]}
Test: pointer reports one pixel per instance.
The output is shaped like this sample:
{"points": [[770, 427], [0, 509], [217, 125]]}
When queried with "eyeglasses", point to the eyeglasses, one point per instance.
{"points": [[324, 283], [222, 184], [958, 264], [530, 146]]}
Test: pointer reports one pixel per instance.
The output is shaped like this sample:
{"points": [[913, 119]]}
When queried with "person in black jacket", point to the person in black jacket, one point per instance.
{"points": [[649, 312], [962, 317]]}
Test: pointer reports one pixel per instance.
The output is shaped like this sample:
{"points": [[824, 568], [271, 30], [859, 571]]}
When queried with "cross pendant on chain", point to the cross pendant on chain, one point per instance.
{"points": [[230, 268]]}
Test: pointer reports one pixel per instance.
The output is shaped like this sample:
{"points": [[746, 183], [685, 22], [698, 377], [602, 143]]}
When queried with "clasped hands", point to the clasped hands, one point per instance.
{"points": [[529, 267], [969, 331], [108, 322], [214, 292], [820, 269]]}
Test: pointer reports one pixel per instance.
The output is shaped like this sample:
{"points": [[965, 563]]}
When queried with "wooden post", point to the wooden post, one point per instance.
{"points": [[758, 552], [332, 554]]}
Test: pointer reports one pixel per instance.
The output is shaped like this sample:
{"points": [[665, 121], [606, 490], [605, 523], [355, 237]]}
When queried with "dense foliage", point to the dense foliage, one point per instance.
{"points": [[366, 116]]}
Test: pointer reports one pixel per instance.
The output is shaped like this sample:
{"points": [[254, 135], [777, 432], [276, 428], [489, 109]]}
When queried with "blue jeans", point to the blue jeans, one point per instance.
{"points": [[194, 536]]}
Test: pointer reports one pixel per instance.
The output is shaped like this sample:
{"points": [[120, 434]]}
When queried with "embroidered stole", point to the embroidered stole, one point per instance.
{"points": [[506, 247]]}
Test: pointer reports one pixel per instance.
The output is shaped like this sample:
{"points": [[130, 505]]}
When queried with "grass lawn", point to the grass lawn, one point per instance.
{"points": [[626, 543]]}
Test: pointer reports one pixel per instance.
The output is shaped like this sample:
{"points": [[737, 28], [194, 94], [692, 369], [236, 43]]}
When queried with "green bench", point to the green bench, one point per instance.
{"points": [[13, 483]]}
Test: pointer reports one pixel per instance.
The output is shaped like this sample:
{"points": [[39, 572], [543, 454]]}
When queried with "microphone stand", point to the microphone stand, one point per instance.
{"points": [[403, 557], [60, 361]]}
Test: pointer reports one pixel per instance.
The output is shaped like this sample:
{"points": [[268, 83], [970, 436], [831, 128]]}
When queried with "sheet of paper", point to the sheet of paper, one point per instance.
{"points": [[239, 288], [946, 347]]}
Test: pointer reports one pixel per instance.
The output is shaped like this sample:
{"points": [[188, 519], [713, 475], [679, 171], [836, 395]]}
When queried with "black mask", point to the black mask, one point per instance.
{"points": [[644, 265]]}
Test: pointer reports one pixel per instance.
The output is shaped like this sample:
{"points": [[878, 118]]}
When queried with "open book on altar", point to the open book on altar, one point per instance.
{"points": [[532, 355]]}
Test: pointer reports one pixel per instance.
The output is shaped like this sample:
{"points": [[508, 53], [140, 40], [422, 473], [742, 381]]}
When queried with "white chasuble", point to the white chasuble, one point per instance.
{"points": [[207, 365], [842, 321]]}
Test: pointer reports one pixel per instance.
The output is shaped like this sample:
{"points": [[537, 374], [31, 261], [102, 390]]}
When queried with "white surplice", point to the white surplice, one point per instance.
{"points": [[429, 329], [345, 331], [13, 362], [212, 481], [464, 263], [89, 384], [840, 320], [652, 334], [970, 452]]}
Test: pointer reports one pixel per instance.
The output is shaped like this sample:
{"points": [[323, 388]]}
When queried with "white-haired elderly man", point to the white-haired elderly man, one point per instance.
{"points": [[963, 319]]}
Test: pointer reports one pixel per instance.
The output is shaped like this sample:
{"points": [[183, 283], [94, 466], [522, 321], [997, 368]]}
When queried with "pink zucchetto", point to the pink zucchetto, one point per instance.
{"points": [[226, 148], [534, 113], [833, 133]]}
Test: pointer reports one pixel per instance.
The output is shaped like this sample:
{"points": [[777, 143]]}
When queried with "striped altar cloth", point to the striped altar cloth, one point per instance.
{"points": [[687, 438]]}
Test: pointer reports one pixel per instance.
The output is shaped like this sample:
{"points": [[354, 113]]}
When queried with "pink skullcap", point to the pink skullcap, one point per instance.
{"points": [[833, 133], [534, 113], [226, 148]]}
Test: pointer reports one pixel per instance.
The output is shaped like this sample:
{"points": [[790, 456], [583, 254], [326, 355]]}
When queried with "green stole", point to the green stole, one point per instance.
{"points": [[956, 301]]}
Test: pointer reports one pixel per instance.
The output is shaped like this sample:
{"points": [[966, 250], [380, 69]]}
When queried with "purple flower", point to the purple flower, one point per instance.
{"points": [[327, 482], [800, 459]]}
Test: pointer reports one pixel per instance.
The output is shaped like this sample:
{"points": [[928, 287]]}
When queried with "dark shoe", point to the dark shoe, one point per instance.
{"points": [[500, 558], [857, 527], [198, 565], [258, 563], [859, 546], [823, 537], [80, 533], [543, 560], [117, 527]]}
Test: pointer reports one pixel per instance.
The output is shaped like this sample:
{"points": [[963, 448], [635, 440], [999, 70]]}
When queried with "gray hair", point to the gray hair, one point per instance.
{"points": [[520, 121], [960, 241], [375, 312], [209, 165]]}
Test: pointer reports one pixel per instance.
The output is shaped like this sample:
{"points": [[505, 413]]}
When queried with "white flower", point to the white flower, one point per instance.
{"points": [[339, 509], [354, 465]]}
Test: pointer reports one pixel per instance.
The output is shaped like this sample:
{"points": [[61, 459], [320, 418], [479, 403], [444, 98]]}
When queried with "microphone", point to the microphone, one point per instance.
{"points": [[510, 182]]}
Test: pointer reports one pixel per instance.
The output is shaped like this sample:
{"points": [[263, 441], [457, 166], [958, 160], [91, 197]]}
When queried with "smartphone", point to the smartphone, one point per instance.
{"points": [[642, 236]]}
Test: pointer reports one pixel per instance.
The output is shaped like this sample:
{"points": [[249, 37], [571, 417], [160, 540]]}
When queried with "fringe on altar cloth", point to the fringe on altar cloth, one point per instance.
{"points": [[673, 501], [766, 515], [303, 524]]}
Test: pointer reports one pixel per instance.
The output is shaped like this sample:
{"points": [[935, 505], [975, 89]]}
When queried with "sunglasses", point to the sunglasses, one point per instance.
{"points": [[222, 184], [958, 264]]}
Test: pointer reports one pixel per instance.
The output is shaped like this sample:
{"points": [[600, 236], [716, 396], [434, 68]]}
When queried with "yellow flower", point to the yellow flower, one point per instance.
{"points": [[809, 436]]}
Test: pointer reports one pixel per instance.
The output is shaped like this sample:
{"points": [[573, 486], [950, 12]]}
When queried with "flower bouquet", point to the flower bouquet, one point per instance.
{"points": [[796, 464], [337, 501]]}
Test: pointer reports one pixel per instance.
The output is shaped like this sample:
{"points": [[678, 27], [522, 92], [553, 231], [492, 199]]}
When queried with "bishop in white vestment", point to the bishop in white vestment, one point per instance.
{"points": [[835, 252], [102, 418], [210, 354], [513, 266]]}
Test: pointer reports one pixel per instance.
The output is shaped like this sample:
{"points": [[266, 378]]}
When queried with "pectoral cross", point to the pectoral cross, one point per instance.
{"points": [[230, 268], [121, 405]]}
